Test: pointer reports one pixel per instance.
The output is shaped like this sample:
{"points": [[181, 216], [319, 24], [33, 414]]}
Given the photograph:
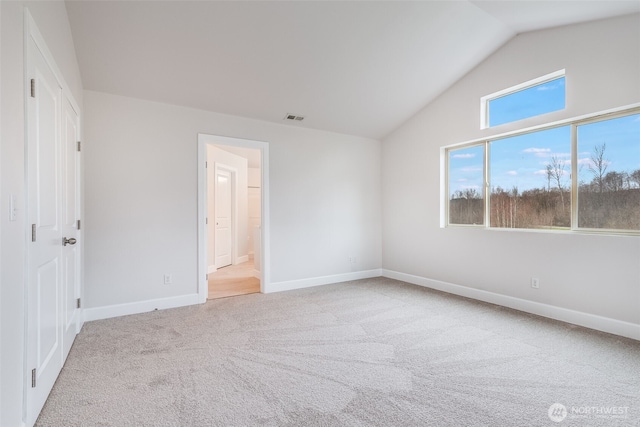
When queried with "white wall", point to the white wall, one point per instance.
{"points": [[254, 178], [51, 19], [594, 274], [216, 156], [141, 198]]}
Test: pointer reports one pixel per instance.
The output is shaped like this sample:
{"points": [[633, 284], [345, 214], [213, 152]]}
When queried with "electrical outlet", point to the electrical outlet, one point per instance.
{"points": [[352, 260], [168, 279], [535, 283]]}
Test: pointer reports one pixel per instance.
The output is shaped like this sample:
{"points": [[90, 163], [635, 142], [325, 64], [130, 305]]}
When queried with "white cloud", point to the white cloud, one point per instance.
{"points": [[464, 156], [512, 173], [538, 152], [584, 161], [544, 153], [552, 85], [463, 180], [540, 172]]}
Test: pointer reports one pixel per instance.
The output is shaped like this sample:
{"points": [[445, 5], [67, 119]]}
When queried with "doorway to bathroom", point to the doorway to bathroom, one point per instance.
{"points": [[233, 226]]}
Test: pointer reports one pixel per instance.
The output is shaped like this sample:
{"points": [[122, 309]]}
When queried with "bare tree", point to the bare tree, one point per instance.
{"points": [[555, 172], [599, 165]]}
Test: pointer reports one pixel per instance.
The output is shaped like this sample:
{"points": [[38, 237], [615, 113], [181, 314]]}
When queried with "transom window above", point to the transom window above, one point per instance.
{"points": [[533, 98]]}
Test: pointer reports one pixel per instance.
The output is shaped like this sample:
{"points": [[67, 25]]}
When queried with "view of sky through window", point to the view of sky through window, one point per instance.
{"points": [[530, 178], [539, 99], [466, 170], [530, 182], [609, 174], [522, 161], [621, 140]]}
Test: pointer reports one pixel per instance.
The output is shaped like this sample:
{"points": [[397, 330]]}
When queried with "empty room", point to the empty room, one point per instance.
{"points": [[319, 213]]}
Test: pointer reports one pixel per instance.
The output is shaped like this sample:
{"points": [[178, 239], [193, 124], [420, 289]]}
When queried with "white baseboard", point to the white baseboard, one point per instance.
{"points": [[256, 273], [211, 269], [592, 321], [323, 280], [117, 310], [241, 259]]}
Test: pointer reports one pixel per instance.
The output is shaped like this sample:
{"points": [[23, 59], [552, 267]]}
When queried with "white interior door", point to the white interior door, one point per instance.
{"points": [[70, 231], [45, 263], [223, 221]]}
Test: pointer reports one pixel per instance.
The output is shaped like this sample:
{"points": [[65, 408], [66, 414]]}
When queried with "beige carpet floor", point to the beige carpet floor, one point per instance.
{"points": [[372, 352]]}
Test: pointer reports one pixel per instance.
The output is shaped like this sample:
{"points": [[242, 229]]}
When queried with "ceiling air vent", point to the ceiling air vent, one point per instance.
{"points": [[294, 118]]}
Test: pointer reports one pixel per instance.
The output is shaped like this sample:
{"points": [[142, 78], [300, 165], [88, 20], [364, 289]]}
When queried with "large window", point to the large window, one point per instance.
{"points": [[533, 98], [609, 174], [575, 175]]}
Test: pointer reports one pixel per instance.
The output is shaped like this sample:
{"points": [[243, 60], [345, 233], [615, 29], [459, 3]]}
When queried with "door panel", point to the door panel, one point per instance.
{"points": [[44, 275], [223, 220], [46, 300], [47, 181]]}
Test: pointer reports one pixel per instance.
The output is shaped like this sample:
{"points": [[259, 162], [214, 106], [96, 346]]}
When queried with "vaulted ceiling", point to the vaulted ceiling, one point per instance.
{"points": [[354, 67]]}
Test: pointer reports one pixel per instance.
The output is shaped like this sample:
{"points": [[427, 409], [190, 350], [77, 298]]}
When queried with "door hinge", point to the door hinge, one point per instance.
{"points": [[206, 276], [79, 145], [33, 378], [206, 165], [206, 220], [78, 305], [33, 232], [33, 88], [78, 226]]}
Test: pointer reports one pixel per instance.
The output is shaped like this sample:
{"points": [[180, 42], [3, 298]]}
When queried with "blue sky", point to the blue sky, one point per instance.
{"points": [[536, 100], [522, 160], [622, 136]]}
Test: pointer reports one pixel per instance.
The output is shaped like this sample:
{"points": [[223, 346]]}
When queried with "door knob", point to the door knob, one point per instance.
{"points": [[70, 241]]}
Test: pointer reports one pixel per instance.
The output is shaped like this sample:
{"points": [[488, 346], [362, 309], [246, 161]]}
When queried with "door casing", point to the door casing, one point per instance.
{"points": [[265, 273]]}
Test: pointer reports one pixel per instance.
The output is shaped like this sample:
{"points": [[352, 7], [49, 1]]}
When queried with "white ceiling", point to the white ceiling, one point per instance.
{"points": [[354, 67]]}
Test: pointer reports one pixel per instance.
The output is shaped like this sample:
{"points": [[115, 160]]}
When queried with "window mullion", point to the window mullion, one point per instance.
{"points": [[487, 188], [574, 176]]}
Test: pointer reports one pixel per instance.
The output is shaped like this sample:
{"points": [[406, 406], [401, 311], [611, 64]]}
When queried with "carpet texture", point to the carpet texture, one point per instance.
{"points": [[374, 352]]}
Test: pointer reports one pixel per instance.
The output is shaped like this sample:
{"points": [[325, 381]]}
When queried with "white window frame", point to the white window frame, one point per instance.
{"points": [[574, 122], [484, 101]]}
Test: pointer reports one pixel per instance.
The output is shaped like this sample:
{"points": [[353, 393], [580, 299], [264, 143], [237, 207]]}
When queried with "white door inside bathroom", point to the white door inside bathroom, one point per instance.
{"points": [[52, 209], [223, 220]]}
